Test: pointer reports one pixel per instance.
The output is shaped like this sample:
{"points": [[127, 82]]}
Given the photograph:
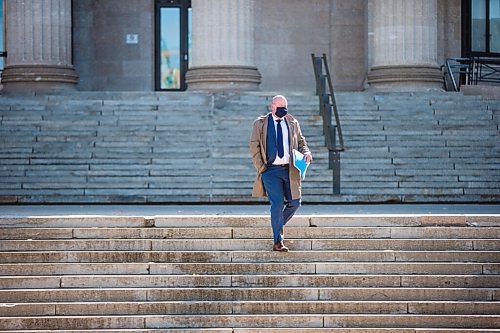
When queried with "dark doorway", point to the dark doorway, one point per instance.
{"points": [[3, 54], [172, 43]]}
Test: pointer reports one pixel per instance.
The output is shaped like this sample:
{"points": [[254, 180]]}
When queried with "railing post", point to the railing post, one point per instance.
{"points": [[331, 146], [452, 77], [317, 72], [334, 158], [336, 172]]}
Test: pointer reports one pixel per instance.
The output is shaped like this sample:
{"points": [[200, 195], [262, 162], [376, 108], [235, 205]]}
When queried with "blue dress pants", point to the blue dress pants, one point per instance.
{"points": [[276, 181]]}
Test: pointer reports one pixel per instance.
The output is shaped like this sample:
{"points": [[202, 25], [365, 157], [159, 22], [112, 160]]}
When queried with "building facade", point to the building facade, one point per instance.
{"points": [[148, 45]]}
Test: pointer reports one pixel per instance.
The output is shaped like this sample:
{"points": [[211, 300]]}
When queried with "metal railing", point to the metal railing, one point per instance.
{"points": [[485, 70], [327, 104], [471, 71], [461, 67]]}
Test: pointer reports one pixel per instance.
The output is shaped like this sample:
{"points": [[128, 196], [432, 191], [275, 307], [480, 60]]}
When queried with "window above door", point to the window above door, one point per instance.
{"points": [[481, 28]]}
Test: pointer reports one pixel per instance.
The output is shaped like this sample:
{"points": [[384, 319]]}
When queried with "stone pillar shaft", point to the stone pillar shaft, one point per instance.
{"points": [[226, 34], [405, 44], [38, 44], [223, 45]]}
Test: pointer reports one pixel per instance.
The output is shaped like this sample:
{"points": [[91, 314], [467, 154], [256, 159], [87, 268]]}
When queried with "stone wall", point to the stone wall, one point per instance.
{"points": [[449, 29], [288, 31], [102, 58], [348, 43]]}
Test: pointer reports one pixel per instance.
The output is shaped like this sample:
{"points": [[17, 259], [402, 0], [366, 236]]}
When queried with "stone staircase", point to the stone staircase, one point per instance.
{"points": [[120, 147], [215, 273]]}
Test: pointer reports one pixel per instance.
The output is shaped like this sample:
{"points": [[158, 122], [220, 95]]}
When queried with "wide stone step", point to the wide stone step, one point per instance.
{"points": [[248, 307], [264, 281], [325, 268], [255, 294], [115, 256], [243, 321], [292, 232], [250, 268], [183, 221], [251, 244]]}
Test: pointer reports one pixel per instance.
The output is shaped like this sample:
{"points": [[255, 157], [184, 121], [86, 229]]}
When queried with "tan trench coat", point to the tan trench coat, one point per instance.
{"points": [[259, 159]]}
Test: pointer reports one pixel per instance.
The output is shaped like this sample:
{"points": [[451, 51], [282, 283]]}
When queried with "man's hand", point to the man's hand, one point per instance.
{"points": [[308, 158]]}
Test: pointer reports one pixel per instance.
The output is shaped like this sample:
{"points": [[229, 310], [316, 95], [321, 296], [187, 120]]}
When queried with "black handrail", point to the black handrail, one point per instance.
{"points": [[327, 102], [485, 70]]}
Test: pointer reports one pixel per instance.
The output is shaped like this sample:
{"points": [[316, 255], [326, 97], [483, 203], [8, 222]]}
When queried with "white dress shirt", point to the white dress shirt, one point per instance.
{"points": [[286, 147]]}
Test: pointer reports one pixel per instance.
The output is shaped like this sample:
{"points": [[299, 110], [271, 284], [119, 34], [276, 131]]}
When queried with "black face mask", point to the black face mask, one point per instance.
{"points": [[281, 112]]}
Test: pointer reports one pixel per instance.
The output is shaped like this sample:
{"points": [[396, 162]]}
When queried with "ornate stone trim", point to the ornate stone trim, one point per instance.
{"points": [[394, 75], [23, 78]]}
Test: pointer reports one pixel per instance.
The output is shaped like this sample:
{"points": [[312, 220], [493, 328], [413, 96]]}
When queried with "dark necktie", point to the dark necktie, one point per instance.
{"points": [[279, 140]]}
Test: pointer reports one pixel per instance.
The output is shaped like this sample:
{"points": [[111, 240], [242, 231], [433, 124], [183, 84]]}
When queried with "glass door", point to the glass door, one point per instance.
{"points": [[172, 43], [495, 26], [3, 54], [478, 25]]}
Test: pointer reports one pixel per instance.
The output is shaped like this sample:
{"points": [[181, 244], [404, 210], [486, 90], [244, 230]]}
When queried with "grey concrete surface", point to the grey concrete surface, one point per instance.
{"points": [[148, 210]]}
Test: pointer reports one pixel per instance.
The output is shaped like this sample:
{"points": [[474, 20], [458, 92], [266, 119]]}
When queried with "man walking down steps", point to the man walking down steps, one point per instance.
{"points": [[273, 138]]}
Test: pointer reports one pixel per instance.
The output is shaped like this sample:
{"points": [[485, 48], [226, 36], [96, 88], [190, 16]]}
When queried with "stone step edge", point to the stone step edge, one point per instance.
{"points": [[239, 232], [241, 257], [269, 263], [381, 302], [404, 307], [319, 320], [367, 307], [236, 220], [246, 275], [401, 277], [260, 315], [251, 288], [270, 330]]}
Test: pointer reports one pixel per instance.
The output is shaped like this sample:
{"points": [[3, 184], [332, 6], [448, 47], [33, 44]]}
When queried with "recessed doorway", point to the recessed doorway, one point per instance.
{"points": [[172, 43]]}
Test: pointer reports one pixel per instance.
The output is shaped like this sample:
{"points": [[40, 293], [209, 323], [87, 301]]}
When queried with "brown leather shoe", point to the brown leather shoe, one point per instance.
{"points": [[280, 247]]}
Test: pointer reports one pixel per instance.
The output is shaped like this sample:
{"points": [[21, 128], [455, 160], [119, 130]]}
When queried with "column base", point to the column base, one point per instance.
{"points": [[405, 77], [38, 78], [223, 78]]}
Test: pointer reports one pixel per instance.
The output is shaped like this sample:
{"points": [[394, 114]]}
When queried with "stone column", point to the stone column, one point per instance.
{"points": [[223, 46], [38, 46], [404, 49]]}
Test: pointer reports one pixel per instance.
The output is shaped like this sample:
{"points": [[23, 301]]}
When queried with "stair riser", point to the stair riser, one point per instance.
{"points": [[260, 269], [247, 257], [311, 321], [247, 221], [265, 308], [252, 245], [254, 232], [246, 233], [253, 294], [258, 281]]}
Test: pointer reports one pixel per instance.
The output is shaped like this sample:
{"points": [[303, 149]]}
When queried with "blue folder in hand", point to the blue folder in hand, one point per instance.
{"points": [[299, 161]]}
